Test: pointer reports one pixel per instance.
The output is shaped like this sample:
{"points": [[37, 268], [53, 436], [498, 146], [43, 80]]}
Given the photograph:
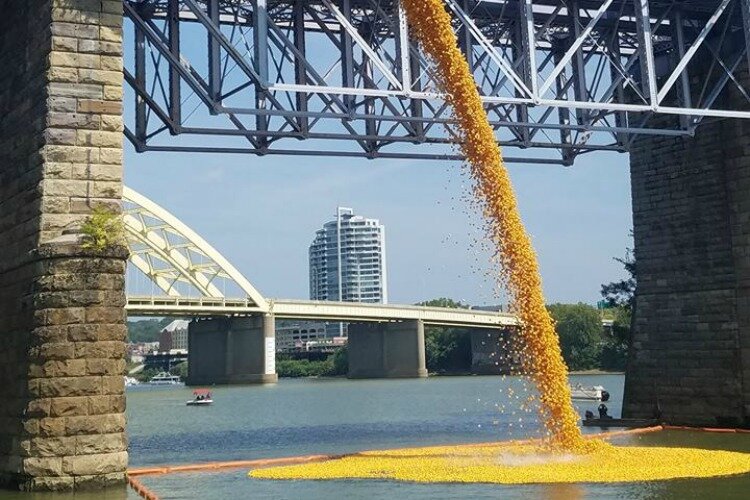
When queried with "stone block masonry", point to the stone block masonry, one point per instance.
{"points": [[62, 323], [690, 351]]}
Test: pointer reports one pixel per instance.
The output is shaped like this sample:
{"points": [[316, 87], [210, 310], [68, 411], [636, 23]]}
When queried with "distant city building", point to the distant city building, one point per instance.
{"points": [[347, 262], [174, 336], [136, 351], [164, 361], [305, 336]]}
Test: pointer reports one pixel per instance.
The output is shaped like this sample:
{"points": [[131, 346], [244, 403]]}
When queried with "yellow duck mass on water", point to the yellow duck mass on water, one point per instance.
{"points": [[564, 456], [520, 464]]}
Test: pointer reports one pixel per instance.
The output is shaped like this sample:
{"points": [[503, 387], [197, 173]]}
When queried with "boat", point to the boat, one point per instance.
{"points": [[202, 398], [595, 393], [131, 381], [164, 378], [632, 423]]}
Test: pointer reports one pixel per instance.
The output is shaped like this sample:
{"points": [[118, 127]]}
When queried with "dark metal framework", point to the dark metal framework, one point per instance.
{"points": [[559, 77]]}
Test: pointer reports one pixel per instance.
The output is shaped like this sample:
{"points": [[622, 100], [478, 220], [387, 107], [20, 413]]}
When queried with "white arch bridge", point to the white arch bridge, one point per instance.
{"points": [[232, 340], [186, 270]]}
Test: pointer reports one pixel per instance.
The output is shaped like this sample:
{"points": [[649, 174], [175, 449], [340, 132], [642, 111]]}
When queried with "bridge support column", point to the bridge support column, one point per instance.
{"points": [[238, 350], [690, 349], [62, 323], [386, 350]]}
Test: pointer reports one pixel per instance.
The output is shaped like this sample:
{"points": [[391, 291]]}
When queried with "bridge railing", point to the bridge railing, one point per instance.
{"points": [[318, 310]]}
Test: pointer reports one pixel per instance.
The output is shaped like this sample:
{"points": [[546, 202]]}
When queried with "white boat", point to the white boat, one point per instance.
{"points": [[202, 398], [595, 393], [130, 381], [164, 378]]}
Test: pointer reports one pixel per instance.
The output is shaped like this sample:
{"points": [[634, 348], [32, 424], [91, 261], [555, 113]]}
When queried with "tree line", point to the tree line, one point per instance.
{"points": [[584, 342]]}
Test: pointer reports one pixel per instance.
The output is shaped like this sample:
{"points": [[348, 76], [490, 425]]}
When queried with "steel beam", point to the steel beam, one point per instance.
{"points": [[746, 25], [558, 76], [175, 92], [214, 52], [260, 56]]}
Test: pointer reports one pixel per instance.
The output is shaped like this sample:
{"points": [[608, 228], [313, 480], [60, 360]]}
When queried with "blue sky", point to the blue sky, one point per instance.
{"points": [[262, 212]]}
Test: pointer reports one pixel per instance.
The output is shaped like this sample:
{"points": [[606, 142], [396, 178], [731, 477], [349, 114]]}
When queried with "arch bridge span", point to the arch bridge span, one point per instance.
{"points": [[187, 269]]}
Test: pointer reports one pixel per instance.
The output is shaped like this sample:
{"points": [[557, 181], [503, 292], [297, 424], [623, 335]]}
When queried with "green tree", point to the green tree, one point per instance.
{"points": [[102, 229], [146, 330], [447, 349], [294, 368], [340, 362], [146, 374], [620, 295], [181, 370], [443, 302], [579, 327]]}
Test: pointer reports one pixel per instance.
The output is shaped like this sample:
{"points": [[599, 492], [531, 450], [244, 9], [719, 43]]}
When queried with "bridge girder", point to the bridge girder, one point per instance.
{"points": [[342, 78], [175, 258], [185, 267]]}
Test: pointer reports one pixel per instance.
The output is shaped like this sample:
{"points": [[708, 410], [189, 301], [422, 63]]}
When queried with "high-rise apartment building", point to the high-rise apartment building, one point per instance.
{"points": [[347, 260]]}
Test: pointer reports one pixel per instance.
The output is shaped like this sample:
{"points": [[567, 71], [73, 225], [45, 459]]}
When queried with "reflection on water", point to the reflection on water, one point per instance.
{"points": [[329, 416], [116, 493], [297, 417], [564, 492]]}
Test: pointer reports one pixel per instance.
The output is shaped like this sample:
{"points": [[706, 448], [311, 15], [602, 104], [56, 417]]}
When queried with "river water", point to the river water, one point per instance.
{"points": [[297, 417]]}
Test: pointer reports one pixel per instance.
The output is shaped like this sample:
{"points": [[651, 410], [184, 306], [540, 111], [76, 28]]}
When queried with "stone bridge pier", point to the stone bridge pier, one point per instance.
{"points": [[62, 322], [232, 350], [690, 351]]}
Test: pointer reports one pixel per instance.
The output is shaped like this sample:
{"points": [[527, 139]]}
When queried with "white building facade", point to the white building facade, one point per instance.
{"points": [[347, 263], [347, 260]]}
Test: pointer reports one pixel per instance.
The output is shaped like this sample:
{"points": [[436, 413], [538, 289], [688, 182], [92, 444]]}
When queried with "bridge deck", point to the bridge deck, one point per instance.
{"points": [[318, 310]]}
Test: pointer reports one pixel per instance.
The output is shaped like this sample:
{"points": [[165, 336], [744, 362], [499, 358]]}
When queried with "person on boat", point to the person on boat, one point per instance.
{"points": [[603, 412]]}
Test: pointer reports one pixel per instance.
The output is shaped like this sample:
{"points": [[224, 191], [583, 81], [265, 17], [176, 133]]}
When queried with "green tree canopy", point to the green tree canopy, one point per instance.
{"points": [[580, 330], [443, 302], [447, 349], [620, 295], [146, 330]]}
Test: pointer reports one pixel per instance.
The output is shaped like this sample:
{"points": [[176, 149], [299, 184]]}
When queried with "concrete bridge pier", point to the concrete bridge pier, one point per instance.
{"points": [[62, 319], [387, 350], [232, 350]]}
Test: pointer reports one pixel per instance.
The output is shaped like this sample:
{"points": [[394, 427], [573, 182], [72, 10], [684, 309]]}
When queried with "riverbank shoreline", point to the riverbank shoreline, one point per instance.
{"points": [[462, 374]]}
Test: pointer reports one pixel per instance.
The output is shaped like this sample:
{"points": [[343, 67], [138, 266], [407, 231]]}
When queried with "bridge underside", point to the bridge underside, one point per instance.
{"points": [[559, 78]]}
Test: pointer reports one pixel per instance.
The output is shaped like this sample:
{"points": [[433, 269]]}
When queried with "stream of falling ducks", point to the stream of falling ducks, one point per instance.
{"points": [[566, 456], [541, 357]]}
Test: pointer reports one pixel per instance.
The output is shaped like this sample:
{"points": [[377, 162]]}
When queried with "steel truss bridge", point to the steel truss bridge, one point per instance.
{"points": [[193, 276], [559, 78]]}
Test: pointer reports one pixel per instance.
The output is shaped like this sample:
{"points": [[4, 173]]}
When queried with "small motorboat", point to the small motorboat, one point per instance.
{"points": [[595, 393], [631, 423], [202, 397]]}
